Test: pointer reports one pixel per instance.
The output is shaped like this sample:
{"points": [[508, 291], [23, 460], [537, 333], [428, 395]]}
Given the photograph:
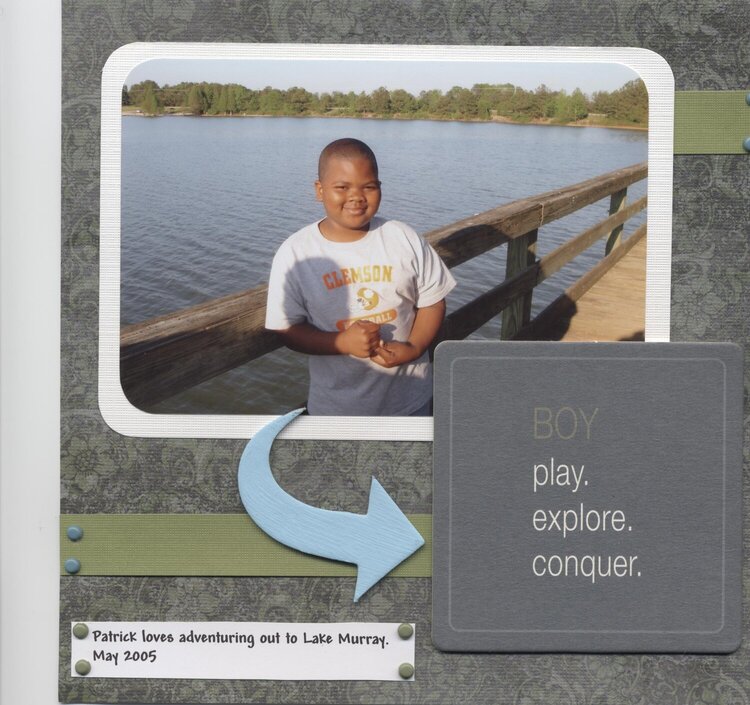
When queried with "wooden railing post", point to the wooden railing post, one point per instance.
{"points": [[521, 255], [616, 203]]}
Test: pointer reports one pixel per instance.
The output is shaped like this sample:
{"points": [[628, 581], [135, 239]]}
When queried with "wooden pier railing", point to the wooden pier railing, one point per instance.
{"points": [[166, 355]]}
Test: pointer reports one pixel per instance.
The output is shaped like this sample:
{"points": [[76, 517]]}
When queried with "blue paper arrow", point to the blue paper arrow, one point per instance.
{"points": [[377, 541]]}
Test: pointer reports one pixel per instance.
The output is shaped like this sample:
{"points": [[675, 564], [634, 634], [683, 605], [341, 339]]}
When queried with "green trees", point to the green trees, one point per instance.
{"points": [[381, 101], [297, 101], [562, 109], [149, 103], [219, 107], [196, 100], [363, 103], [271, 101], [248, 102], [402, 102], [569, 108], [428, 102], [233, 99], [483, 101], [628, 104], [145, 95], [546, 101], [324, 103], [578, 105], [138, 89], [460, 102]]}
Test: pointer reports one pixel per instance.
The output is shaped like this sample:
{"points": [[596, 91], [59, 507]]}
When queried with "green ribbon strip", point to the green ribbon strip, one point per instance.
{"points": [[710, 122], [204, 544]]}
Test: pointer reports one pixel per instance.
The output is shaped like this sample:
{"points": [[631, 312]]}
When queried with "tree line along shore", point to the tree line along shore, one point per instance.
{"points": [[626, 106]]}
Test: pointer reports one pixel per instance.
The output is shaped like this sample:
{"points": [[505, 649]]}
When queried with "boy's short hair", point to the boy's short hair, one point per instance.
{"points": [[346, 148]]}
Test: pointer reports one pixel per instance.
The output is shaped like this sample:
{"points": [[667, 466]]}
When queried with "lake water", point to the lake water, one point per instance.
{"points": [[207, 201]]}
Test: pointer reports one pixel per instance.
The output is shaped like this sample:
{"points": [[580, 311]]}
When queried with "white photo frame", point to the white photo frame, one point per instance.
{"points": [[125, 418]]}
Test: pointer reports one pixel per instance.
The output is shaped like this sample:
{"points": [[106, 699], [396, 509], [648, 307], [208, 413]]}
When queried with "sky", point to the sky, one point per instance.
{"points": [[317, 75]]}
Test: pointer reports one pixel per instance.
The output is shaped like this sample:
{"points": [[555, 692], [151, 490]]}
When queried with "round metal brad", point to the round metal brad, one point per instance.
{"points": [[406, 670], [405, 631], [83, 667], [74, 533], [80, 630]]}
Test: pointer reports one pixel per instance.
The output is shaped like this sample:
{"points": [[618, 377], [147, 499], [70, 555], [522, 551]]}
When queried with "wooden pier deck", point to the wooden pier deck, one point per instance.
{"points": [[613, 308], [621, 290]]}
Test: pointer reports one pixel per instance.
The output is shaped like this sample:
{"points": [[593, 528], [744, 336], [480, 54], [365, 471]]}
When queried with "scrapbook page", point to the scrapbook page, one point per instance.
{"points": [[401, 353]]}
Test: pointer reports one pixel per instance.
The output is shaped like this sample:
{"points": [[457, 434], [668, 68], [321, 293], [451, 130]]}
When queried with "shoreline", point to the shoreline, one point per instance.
{"points": [[536, 122]]}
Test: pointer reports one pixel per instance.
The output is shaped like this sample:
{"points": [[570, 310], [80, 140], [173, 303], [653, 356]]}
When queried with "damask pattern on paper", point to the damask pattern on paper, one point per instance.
{"points": [[105, 472]]}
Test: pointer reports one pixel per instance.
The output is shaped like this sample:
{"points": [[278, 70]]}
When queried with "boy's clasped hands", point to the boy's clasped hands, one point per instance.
{"points": [[362, 339]]}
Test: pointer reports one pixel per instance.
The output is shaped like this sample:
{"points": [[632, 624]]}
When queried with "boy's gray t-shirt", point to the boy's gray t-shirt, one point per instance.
{"points": [[383, 277]]}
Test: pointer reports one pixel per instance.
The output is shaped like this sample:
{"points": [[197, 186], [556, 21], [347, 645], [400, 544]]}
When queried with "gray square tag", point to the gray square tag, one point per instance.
{"points": [[588, 497]]}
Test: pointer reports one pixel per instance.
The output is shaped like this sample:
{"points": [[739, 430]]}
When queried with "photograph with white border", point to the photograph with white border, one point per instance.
{"points": [[474, 151]]}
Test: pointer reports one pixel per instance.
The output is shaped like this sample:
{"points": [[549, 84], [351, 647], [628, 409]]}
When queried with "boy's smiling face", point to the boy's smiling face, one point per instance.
{"points": [[350, 192]]}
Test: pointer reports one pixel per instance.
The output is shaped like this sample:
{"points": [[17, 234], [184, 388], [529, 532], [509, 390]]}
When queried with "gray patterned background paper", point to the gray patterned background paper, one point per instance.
{"points": [[705, 43]]}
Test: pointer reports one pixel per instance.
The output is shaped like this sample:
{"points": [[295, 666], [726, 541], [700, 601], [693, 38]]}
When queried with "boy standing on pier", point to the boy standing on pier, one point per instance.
{"points": [[363, 296]]}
